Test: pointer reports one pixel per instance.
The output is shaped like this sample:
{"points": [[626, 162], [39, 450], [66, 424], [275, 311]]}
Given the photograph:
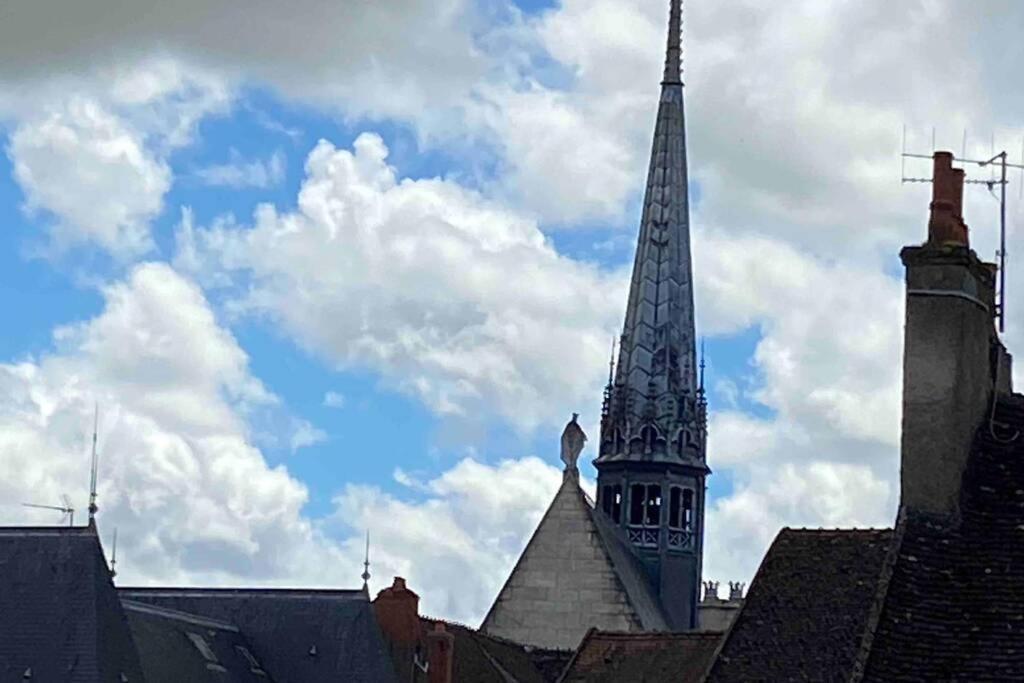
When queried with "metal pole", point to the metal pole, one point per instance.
{"points": [[1002, 246]]}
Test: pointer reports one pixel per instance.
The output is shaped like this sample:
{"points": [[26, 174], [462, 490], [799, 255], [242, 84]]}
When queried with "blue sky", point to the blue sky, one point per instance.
{"points": [[449, 206]]}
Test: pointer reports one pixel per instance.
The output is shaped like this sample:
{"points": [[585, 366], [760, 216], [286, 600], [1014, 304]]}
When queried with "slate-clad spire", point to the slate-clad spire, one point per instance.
{"points": [[656, 409]]}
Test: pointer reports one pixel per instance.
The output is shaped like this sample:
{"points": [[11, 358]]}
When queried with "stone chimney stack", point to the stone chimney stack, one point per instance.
{"points": [[440, 645], [397, 610], [952, 358]]}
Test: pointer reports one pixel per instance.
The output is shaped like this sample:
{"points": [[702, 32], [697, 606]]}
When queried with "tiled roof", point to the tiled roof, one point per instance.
{"points": [[60, 617], [166, 643], [300, 636], [954, 607], [479, 658], [607, 657], [806, 612]]}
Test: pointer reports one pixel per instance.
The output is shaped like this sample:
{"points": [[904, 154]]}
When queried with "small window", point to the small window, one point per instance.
{"points": [[616, 503], [675, 508], [687, 509], [637, 502], [606, 500], [653, 512]]}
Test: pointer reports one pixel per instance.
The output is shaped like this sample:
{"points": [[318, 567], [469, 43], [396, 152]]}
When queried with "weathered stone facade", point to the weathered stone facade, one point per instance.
{"points": [[564, 582]]}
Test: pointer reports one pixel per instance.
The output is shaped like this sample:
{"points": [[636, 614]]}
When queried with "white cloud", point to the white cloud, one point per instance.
{"points": [[92, 173], [448, 296], [457, 545], [239, 173], [192, 498], [91, 153], [334, 399]]}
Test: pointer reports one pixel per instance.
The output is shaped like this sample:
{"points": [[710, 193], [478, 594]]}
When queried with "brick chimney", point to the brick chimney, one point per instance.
{"points": [[440, 647], [397, 609], [952, 358]]}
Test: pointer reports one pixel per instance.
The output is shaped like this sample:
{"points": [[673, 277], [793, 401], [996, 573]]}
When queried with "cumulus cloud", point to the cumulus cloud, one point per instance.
{"points": [[91, 154], [450, 297], [193, 498], [196, 502]]}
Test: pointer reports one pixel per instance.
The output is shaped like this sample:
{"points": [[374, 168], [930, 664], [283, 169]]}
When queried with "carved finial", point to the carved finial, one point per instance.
{"points": [[573, 440], [366, 563], [674, 52], [736, 590]]}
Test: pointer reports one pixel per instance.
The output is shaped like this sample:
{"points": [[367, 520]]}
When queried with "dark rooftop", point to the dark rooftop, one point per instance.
{"points": [[60, 619], [807, 608], [175, 647], [299, 636], [954, 608], [609, 657]]}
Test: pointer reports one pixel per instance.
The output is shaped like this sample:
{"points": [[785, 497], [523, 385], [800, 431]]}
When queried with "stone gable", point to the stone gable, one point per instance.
{"points": [[564, 583]]}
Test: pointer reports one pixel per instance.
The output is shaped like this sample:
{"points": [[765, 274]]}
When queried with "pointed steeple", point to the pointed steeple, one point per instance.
{"points": [[654, 411]]}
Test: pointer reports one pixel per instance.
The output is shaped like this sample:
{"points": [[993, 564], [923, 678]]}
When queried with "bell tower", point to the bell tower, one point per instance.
{"points": [[651, 457]]}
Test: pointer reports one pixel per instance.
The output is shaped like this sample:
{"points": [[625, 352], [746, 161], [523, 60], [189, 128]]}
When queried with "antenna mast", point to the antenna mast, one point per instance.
{"points": [[1001, 160], [113, 557], [93, 469]]}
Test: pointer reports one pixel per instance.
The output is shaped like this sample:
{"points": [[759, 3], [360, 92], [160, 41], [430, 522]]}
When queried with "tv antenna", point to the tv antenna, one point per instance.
{"points": [[996, 161], [93, 469], [65, 508]]}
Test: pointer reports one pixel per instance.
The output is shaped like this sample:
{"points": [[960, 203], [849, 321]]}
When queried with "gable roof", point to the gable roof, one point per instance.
{"points": [[954, 607], [169, 654], [807, 608], [60, 617], [608, 657], [573, 574], [300, 636]]}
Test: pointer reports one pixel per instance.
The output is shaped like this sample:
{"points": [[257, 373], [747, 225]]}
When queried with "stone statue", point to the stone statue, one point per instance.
{"points": [[573, 439]]}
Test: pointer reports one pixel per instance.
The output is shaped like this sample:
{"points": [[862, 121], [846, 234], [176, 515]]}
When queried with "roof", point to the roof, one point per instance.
{"points": [[608, 657], [574, 563], [60, 618], [479, 658], [174, 647], [954, 606], [299, 636], [807, 608], [629, 570]]}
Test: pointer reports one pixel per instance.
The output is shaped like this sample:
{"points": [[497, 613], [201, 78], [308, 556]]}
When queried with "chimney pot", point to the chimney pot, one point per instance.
{"points": [[946, 223]]}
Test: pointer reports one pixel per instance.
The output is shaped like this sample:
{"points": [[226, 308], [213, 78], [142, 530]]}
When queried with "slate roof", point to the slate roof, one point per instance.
{"points": [[168, 655], [807, 608], [954, 607], [60, 617], [609, 657], [300, 636]]}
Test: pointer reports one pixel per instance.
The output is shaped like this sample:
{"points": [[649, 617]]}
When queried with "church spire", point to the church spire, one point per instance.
{"points": [[674, 52], [654, 411]]}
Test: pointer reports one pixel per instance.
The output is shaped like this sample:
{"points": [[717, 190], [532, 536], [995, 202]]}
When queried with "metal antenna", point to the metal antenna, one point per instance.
{"points": [[366, 563], [113, 557], [700, 390], [66, 509], [95, 466], [1001, 181]]}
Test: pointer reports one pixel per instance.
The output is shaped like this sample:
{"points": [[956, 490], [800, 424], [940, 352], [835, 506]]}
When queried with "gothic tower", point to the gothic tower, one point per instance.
{"points": [[651, 458]]}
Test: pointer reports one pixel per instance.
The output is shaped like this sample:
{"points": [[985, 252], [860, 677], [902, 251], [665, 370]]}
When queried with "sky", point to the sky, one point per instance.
{"points": [[328, 268]]}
